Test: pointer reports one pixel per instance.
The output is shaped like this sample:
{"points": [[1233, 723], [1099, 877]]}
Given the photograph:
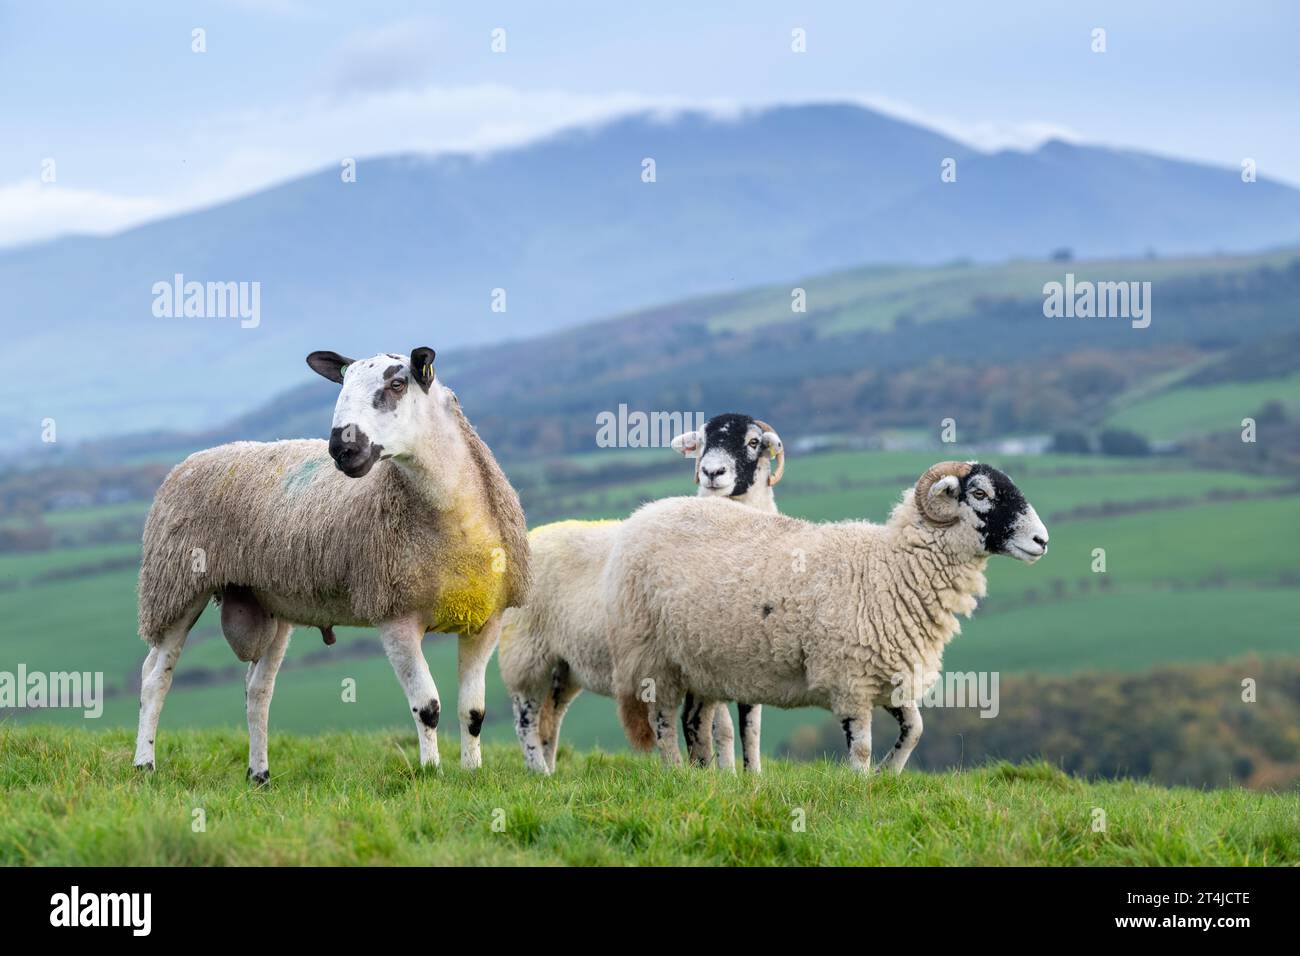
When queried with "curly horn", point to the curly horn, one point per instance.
{"points": [[932, 474], [775, 476]]}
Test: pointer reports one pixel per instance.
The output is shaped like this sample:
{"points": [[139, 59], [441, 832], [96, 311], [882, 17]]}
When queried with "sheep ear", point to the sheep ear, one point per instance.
{"points": [[772, 443], [422, 366], [331, 365], [688, 444], [942, 497]]}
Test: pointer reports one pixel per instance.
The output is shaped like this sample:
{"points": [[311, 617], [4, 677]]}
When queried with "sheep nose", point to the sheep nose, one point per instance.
{"points": [[1041, 541], [346, 451], [715, 473]]}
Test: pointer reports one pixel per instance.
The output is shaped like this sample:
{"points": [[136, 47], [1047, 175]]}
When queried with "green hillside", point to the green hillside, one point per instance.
{"points": [[876, 297], [1183, 412], [876, 349], [349, 799]]}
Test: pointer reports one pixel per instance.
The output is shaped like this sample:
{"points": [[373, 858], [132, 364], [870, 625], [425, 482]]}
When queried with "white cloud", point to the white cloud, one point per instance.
{"points": [[985, 135], [430, 119], [31, 211], [241, 152], [238, 153]]}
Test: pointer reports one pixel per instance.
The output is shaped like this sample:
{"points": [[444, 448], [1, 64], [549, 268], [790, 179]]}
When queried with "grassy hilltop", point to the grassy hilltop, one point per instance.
{"points": [[70, 797]]}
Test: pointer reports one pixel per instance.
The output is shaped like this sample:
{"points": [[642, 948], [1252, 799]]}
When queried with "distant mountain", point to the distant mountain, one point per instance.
{"points": [[879, 348], [411, 252]]}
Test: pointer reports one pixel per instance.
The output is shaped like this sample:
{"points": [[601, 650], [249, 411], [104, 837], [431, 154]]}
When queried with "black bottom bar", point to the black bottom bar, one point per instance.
{"points": [[333, 905]]}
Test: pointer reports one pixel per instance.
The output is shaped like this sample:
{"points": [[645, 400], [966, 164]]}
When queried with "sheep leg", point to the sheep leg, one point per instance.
{"points": [[156, 680], [402, 638], [857, 734], [696, 716], [472, 660], [661, 718], [751, 720], [259, 687], [724, 737], [528, 709], [908, 716], [563, 690]]}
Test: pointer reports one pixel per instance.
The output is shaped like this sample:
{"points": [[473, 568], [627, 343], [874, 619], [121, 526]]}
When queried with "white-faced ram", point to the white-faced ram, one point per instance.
{"points": [[402, 521]]}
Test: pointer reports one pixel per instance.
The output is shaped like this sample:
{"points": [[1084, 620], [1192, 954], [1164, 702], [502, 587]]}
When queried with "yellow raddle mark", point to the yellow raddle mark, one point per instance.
{"points": [[472, 581], [466, 609]]}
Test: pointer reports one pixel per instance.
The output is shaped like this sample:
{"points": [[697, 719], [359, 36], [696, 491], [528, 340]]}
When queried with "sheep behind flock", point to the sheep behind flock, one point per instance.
{"points": [[403, 522], [730, 603], [556, 645]]}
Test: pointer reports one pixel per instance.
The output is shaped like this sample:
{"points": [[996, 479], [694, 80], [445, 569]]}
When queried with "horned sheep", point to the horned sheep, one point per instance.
{"points": [[843, 616], [556, 645], [402, 521]]}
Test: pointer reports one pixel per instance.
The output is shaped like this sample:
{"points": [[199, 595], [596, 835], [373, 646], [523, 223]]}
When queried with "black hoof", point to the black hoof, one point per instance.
{"points": [[145, 766], [259, 778]]}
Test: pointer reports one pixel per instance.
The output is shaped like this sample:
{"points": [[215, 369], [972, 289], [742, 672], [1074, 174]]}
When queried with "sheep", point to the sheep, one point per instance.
{"points": [[555, 646], [402, 521], [842, 616]]}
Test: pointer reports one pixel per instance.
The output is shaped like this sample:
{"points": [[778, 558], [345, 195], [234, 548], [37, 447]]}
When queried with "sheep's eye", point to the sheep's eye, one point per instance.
{"points": [[753, 443], [397, 384], [979, 495]]}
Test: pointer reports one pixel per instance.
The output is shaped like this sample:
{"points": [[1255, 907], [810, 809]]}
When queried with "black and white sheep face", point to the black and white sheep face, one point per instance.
{"points": [[734, 454], [379, 413], [986, 501]]}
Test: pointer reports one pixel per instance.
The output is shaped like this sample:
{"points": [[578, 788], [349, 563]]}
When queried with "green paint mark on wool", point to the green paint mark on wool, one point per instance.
{"points": [[302, 476]]}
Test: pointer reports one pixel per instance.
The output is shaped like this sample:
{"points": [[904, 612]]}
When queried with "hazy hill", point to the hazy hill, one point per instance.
{"points": [[410, 253], [878, 348]]}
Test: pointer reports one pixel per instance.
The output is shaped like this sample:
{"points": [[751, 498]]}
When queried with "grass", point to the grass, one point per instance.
{"points": [[71, 797], [1128, 631], [1238, 541], [865, 484], [24, 565], [875, 297], [1182, 412], [86, 515]]}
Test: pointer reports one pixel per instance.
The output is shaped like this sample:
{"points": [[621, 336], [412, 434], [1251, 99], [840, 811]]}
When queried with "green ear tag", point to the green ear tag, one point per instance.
{"points": [[343, 370]]}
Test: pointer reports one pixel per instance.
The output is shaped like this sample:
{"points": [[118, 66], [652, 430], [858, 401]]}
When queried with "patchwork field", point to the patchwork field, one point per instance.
{"points": [[1181, 412], [1200, 566]]}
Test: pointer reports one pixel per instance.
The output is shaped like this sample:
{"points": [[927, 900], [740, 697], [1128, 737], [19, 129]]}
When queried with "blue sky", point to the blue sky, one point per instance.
{"points": [[139, 126]]}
